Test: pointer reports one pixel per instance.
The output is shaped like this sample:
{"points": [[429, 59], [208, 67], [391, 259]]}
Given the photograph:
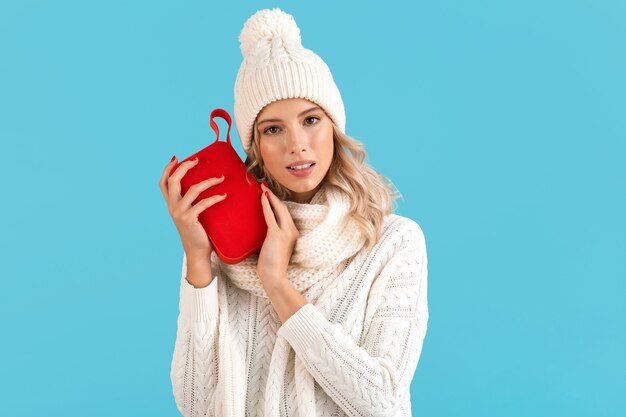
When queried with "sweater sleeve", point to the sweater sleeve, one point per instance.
{"points": [[373, 378], [194, 363]]}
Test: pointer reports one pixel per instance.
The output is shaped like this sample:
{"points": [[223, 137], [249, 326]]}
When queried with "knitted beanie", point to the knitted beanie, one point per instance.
{"points": [[276, 66]]}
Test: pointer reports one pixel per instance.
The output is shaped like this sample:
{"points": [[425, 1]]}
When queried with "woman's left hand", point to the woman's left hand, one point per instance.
{"points": [[280, 240]]}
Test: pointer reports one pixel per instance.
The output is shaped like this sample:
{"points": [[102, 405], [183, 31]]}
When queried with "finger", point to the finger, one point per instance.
{"points": [[193, 191], [280, 210], [166, 173], [206, 203], [270, 220], [174, 179]]}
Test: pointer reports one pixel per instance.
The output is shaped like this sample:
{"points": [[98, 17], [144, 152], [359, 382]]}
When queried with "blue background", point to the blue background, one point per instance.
{"points": [[501, 122]]}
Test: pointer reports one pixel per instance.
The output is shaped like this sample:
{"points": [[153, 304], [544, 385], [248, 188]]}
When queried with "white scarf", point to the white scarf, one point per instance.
{"points": [[328, 237]]}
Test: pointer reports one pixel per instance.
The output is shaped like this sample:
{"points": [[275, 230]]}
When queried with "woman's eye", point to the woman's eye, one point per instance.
{"points": [[309, 118], [269, 128]]}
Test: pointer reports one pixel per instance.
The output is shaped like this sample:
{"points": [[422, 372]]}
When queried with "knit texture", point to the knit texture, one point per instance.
{"points": [[328, 237], [351, 351]]}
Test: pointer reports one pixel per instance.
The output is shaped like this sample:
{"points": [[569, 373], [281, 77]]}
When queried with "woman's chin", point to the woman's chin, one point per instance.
{"points": [[302, 186], [302, 193]]}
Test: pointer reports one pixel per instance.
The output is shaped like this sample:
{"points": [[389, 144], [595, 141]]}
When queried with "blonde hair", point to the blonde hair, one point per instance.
{"points": [[371, 193]]}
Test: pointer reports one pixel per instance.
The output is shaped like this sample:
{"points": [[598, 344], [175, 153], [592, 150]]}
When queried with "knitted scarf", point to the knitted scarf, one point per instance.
{"points": [[329, 237]]}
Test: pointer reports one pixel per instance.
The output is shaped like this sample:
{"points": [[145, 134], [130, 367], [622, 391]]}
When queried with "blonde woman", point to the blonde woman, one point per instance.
{"points": [[330, 317]]}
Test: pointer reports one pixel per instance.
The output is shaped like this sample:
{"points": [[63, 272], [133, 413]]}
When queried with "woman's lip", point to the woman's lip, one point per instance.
{"points": [[301, 172], [302, 162]]}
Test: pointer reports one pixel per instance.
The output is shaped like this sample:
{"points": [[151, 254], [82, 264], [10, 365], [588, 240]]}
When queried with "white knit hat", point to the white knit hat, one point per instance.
{"points": [[276, 66]]}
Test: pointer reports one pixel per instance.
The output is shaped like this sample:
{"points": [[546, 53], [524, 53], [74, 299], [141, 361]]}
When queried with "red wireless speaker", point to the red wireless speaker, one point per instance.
{"points": [[236, 225]]}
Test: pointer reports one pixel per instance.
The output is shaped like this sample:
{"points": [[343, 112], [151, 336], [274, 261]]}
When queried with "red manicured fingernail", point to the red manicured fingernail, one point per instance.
{"points": [[173, 157], [267, 194], [265, 183]]}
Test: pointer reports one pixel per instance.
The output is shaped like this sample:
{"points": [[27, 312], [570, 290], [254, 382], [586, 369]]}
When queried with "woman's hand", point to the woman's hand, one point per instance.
{"points": [[280, 241], [185, 216]]}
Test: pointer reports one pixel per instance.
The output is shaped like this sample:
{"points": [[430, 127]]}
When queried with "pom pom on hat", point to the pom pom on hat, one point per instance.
{"points": [[267, 24]]}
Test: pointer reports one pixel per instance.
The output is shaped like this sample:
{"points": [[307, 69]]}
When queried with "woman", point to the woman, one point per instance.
{"points": [[330, 317]]}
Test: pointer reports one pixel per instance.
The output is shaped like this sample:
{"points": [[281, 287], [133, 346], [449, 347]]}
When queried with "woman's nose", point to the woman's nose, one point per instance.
{"points": [[296, 141]]}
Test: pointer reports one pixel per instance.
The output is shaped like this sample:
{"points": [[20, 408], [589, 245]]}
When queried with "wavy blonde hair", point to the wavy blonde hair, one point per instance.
{"points": [[371, 194]]}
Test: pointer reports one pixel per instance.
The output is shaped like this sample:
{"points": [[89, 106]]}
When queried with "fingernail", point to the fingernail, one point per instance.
{"points": [[173, 157], [267, 194], [265, 183]]}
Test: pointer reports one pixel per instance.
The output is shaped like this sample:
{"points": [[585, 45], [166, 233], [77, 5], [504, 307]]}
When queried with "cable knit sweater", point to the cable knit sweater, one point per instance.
{"points": [[359, 338]]}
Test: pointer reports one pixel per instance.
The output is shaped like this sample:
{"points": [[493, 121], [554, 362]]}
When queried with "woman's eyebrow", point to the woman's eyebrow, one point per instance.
{"points": [[301, 114]]}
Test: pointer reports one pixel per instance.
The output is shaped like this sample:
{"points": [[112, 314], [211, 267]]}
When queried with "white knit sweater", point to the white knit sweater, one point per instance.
{"points": [[361, 346]]}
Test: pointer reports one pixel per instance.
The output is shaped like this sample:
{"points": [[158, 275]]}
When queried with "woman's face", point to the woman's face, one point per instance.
{"points": [[293, 130]]}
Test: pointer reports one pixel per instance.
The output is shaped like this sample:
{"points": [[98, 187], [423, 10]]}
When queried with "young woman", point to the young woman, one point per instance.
{"points": [[330, 317]]}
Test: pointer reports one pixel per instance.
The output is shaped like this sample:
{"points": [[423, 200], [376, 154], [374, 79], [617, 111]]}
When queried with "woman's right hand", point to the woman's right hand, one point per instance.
{"points": [[185, 215]]}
